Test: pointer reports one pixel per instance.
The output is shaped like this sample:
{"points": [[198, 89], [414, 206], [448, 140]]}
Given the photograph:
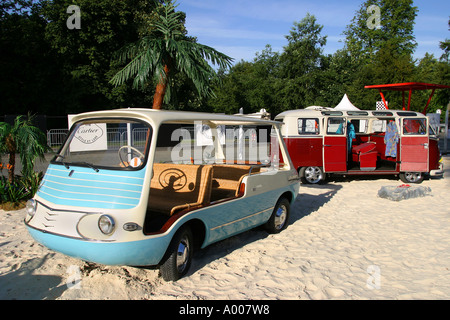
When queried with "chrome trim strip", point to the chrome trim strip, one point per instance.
{"points": [[240, 219], [66, 236]]}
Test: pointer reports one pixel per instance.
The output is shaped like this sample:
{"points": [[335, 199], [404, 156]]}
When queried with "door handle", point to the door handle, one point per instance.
{"points": [[425, 145]]}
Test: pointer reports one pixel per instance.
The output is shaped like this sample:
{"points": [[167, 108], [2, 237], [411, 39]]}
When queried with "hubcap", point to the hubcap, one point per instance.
{"points": [[280, 217], [413, 176], [182, 254], [313, 174]]}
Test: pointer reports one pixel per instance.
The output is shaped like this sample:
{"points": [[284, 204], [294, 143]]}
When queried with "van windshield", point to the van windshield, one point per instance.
{"points": [[106, 143]]}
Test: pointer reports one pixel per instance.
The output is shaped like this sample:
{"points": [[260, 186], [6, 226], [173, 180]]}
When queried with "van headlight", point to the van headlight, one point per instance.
{"points": [[30, 209], [106, 224]]}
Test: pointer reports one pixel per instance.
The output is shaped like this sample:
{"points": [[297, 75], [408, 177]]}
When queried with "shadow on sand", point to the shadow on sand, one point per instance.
{"points": [[309, 200], [22, 284]]}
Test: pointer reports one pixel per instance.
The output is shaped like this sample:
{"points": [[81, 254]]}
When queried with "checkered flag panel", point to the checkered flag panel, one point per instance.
{"points": [[380, 105]]}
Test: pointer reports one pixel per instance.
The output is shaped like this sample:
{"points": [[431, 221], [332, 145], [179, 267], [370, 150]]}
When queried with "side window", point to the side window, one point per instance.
{"points": [[308, 126], [379, 125], [360, 125], [414, 126], [335, 125], [195, 143]]}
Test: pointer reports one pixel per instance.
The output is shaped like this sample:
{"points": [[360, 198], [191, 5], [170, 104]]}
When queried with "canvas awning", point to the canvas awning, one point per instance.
{"points": [[408, 86]]}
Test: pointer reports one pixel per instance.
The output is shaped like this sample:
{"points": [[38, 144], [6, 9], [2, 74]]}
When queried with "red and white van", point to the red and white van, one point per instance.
{"points": [[323, 141]]}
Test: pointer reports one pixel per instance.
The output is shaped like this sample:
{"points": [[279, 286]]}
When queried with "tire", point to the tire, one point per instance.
{"points": [[412, 177], [178, 258], [280, 217], [311, 175]]}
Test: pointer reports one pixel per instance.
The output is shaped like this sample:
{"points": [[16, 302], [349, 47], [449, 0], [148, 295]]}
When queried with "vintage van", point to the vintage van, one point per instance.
{"points": [[323, 141], [145, 187]]}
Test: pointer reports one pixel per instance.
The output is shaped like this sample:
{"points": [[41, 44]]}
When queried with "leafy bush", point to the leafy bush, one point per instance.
{"points": [[13, 195]]}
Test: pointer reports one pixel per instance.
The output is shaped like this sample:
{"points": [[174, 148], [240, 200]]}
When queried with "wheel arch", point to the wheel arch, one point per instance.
{"points": [[198, 229], [288, 195]]}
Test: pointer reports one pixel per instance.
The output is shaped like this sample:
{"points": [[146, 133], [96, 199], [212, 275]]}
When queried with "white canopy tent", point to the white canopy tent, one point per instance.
{"points": [[345, 104]]}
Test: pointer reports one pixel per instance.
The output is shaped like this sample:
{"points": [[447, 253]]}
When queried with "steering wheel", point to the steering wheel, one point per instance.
{"points": [[126, 164]]}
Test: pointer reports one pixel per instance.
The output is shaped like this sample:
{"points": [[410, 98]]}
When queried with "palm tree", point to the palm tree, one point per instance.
{"points": [[165, 50], [23, 138]]}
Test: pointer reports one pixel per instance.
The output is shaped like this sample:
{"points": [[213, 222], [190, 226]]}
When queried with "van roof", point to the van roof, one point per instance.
{"points": [[160, 116], [360, 113]]}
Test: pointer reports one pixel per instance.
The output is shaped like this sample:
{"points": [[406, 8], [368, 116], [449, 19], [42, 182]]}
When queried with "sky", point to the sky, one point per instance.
{"points": [[241, 28]]}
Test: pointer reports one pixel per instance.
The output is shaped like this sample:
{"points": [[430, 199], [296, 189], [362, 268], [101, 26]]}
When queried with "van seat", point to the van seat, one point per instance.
{"points": [[175, 187], [366, 154], [227, 179]]}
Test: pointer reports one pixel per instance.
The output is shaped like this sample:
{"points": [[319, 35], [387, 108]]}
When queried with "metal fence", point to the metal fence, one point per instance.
{"points": [[115, 137], [56, 137]]}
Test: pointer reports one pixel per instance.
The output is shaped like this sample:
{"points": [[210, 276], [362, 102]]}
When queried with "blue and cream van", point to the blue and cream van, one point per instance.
{"points": [[145, 187]]}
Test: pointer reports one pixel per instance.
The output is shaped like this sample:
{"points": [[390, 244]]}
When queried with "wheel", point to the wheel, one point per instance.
{"points": [[280, 216], [178, 257], [311, 175], [124, 163], [412, 177]]}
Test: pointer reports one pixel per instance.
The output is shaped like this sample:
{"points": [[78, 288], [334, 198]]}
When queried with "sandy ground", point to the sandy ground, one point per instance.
{"points": [[343, 242]]}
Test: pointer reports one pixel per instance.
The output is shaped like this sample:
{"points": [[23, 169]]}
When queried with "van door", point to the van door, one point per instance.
{"points": [[414, 145], [335, 145]]}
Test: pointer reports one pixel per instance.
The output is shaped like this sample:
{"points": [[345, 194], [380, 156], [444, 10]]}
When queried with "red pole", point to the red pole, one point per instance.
{"points": [[384, 100], [403, 100], [428, 102], [409, 98]]}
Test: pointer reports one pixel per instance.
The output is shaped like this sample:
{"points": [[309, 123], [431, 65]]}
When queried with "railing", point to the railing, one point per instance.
{"points": [[56, 137], [115, 137]]}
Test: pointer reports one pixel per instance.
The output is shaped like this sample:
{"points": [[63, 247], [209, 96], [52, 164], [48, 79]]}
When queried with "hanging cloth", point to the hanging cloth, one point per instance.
{"points": [[391, 139], [351, 135]]}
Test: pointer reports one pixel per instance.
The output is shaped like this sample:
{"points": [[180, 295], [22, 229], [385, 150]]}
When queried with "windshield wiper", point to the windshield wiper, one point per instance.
{"points": [[62, 158], [83, 163]]}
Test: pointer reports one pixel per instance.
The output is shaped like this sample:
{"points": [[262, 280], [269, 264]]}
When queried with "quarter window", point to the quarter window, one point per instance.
{"points": [[335, 126], [308, 126]]}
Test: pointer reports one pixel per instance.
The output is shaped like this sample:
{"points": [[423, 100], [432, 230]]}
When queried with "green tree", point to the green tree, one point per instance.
{"points": [[336, 76], [445, 45], [23, 138], [396, 27], [382, 54], [29, 77], [302, 63], [249, 85], [83, 55], [303, 54], [165, 49]]}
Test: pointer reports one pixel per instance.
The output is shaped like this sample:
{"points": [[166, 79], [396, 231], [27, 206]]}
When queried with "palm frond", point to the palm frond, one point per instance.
{"points": [[192, 59], [151, 55], [145, 55]]}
